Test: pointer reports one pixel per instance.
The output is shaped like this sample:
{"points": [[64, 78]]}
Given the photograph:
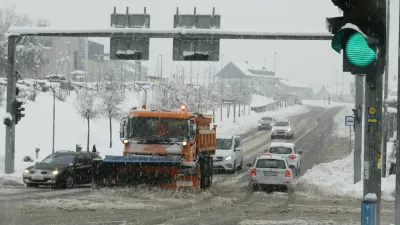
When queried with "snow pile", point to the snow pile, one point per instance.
{"points": [[336, 179], [324, 104], [247, 122]]}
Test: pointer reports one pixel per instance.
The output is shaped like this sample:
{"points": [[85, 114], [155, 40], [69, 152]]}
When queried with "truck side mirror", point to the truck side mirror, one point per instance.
{"points": [[122, 128]]}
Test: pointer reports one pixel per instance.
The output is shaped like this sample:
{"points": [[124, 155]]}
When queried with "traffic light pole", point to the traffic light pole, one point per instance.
{"points": [[373, 137], [358, 127], [11, 83], [385, 114]]}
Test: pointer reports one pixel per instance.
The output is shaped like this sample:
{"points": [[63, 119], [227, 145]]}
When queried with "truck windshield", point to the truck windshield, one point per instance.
{"points": [[224, 144], [157, 129]]}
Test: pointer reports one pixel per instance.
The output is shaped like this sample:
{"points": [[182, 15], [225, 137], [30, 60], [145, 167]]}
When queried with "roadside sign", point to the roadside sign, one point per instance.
{"points": [[372, 114], [37, 150], [349, 121]]}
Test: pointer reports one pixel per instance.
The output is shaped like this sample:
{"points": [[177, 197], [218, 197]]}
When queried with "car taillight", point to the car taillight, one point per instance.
{"points": [[287, 173], [292, 156], [253, 172], [268, 154]]}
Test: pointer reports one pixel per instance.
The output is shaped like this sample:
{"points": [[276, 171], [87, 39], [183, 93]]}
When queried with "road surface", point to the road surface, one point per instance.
{"points": [[227, 202]]}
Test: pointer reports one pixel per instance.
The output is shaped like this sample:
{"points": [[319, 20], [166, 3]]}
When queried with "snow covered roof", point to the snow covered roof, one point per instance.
{"points": [[78, 72], [254, 70], [292, 83]]}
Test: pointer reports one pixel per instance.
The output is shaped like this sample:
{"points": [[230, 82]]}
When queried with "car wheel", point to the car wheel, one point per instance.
{"points": [[234, 168], [253, 187], [69, 182], [241, 165]]}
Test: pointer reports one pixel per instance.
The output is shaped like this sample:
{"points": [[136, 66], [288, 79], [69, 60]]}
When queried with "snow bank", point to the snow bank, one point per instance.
{"points": [[247, 122], [324, 104], [336, 178]]}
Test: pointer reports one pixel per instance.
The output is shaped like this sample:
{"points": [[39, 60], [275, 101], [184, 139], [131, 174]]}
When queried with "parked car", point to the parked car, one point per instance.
{"points": [[270, 172], [266, 123], [229, 153], [289, 151], [62, 169], [282, 128]]}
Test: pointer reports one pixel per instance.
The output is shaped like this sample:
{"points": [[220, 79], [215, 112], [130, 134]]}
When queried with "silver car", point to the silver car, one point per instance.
{"points": [[271, 172]]}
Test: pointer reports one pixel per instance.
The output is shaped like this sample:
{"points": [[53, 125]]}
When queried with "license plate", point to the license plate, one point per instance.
{"points": [[37, 177], [182, 183], [270, 173]]}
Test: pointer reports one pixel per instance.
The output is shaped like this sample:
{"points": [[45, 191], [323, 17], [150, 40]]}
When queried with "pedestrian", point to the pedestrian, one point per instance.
{"points": [[94, 149]]}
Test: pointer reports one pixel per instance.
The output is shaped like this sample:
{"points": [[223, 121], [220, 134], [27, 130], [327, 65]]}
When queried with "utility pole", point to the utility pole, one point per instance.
{"points": [[54, 117], [397, 204], [69, 71], [10, 129], [385, 114], [358, 126], [373, 137]]}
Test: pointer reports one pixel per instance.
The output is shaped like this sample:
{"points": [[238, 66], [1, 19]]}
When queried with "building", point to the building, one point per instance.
{"points": [[258, 77], [328, 92], [300, 90]]}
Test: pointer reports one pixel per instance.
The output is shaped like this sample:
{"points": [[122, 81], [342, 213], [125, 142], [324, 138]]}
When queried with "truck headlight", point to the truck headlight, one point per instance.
{"points": [[184, 143], [126, 141], [228, 158], [55, 172]]}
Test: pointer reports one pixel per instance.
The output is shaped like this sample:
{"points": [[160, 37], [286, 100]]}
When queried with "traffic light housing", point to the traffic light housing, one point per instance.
{"points": [[361, 34], [18, 109]]}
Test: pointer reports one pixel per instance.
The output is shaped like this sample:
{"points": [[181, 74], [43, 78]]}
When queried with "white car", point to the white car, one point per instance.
{"points": [[270, 171], [282, 128], [287, 150], [229, 154]]}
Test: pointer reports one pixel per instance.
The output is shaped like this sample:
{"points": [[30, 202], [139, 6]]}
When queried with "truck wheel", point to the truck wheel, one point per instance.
{"points": [[210, 171], [204, 173]]}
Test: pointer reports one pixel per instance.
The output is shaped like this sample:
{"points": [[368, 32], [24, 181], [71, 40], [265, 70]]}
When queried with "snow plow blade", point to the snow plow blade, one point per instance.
{"points": [[164, 171]]}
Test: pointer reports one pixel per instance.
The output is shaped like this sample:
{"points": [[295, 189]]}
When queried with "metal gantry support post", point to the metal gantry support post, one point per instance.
{"points": [[11, 84], [358, 127], [373, 137], [397, 202], [385, 113]]}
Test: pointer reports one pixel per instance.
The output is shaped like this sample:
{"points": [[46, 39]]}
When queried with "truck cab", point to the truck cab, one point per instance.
{"points": [[229, 153]]}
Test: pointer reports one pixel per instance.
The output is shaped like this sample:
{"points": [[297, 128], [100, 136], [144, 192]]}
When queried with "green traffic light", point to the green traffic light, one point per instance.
{"points": [[358, 52]]}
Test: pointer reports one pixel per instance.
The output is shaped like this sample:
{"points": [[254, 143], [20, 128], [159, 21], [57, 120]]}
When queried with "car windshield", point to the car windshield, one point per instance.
{"points": [[271, 163], [157, 129], [224, 144], [58, 159], [280, 150], [281, 124], [266, 118]]}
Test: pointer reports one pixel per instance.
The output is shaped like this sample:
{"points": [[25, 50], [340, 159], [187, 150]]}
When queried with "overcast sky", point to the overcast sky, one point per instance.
{"points": [[311, 62]]}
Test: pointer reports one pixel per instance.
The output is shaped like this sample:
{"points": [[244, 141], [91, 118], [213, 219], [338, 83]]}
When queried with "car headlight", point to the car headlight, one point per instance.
{"points": [[228, 158], [272, 129], [288, 129], [55, 172], [26, 171]]}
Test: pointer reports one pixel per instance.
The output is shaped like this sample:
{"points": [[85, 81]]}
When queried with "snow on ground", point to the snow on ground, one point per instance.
{"points": [[290, 222], [35, 131], [247, 122], [324, 104], [342, 131], [259, 100]]}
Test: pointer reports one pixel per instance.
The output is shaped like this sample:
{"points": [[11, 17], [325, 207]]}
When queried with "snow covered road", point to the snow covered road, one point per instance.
{"points": [[227, 202]]}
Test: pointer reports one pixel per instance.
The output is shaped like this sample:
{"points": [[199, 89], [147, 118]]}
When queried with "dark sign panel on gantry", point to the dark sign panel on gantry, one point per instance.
{"points": [[129, 48], [187, 48]]}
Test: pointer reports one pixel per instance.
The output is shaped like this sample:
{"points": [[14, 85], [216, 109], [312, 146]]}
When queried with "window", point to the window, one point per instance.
{"points": [[224, 144], [271, 163], [282, 124], [237, 142], [280, 150]]}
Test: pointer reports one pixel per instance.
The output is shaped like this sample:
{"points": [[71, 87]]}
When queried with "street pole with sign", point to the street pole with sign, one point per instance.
{"points": [[349, 122]]}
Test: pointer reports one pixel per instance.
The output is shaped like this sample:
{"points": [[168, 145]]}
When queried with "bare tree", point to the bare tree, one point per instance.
{"points": [[2, 94], [87, 106], [111, 99]]}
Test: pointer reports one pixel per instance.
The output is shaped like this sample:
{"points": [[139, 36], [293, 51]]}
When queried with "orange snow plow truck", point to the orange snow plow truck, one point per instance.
{"points": [[172, 149]]}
